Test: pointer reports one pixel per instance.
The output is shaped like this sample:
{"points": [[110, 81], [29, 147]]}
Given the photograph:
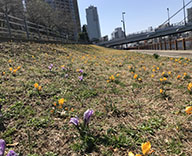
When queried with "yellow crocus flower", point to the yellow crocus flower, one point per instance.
{"points": [[188, 110], [36, 85], [146, 147]]}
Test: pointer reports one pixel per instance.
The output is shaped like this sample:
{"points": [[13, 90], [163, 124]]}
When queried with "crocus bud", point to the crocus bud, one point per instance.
{"points": [[81, 78], [1, 115], [66, 75], [81, 70], [87, 115], [2, 147]]}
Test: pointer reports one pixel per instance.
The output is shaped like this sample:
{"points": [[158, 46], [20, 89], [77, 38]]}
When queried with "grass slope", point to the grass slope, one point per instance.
{"points": [[122, 88]]}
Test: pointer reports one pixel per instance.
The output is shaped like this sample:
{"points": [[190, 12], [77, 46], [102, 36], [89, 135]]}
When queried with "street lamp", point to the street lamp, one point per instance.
{"points": [[168, 16], [123, 21], [184, 12]]}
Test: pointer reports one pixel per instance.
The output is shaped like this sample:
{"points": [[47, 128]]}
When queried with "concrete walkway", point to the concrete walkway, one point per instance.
{"points": [[168, 53]]}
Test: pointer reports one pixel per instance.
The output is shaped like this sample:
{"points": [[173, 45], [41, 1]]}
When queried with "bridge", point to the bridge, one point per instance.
{"points": [[148, 35]]}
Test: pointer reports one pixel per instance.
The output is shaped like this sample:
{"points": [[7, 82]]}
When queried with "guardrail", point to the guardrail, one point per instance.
{"points": [[17, 28], [177, 44]]}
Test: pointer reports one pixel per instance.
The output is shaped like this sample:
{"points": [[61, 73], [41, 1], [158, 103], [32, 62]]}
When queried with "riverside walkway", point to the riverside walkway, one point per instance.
{"points": [[168, 53]]}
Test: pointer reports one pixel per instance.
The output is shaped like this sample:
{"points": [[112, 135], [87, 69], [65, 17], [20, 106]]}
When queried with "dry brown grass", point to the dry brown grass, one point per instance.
{"points": [[134, 109]]}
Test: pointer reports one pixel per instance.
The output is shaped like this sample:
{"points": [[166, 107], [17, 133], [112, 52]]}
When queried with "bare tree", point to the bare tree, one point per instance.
{"points": [[12, 7], [40, 12]]}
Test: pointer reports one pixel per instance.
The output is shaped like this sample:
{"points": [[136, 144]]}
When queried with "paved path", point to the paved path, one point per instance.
{"points": [[169, 53]]}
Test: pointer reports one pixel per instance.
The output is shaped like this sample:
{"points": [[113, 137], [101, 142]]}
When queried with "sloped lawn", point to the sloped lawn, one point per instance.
{"points": [[135, 98]]}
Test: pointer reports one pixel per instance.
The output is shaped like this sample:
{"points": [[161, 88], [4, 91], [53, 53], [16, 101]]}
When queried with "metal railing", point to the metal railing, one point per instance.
{"points": [[17, 28]]}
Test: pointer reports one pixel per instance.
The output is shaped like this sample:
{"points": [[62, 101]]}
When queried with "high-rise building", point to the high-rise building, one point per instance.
{"points": [[117, 33], [93, 26], [189, 14], [51, 3]]}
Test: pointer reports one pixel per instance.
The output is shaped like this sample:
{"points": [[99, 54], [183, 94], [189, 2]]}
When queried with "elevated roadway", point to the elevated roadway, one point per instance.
{"points": [[161, 32]]}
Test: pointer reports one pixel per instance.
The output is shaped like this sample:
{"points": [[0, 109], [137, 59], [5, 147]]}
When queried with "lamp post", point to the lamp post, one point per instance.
{"points": [[184, 12], [123, 21], [168, 16]]}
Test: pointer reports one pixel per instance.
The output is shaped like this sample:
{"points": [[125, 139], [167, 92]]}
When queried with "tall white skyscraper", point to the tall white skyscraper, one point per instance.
{"points": [[93, 26]]}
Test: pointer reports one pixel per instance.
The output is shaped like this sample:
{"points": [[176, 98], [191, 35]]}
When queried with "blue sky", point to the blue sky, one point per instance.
{"points": [[140, 14]]}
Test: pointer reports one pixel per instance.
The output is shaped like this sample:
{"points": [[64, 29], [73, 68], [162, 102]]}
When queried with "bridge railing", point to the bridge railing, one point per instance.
{"points": [[17, 28], [140, 32], [157, 28]]}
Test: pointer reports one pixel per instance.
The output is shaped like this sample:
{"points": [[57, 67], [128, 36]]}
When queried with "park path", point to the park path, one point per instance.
{"points": [[168, 53]]}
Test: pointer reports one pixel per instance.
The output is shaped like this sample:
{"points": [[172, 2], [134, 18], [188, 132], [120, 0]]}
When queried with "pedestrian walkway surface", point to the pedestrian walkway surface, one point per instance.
{"points": [[168, 53]]}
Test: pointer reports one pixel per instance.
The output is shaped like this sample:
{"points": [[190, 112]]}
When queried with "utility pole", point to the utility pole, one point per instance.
{"points": [[123, 21], [184, 12], [168, 16]]}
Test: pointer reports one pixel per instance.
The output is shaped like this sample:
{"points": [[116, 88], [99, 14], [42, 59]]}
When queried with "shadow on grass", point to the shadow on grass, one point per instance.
{"points": [[90, 142]]}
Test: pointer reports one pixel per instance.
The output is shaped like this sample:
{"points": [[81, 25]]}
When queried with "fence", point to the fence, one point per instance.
{"points": [[17, 28], [178, 44]]}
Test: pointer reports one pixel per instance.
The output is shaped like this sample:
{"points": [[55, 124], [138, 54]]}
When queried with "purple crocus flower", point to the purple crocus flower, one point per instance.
{"points": [[81, 78], [74, 121], [81, 70], [12, 153], [50, 67], [2, 147], [66, 75], [1, 115], [87, 115]]}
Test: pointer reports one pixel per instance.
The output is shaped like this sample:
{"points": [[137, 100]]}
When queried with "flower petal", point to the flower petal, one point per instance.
{"points": [[12, 153], [2, 147], [131, 154], [188, 110], [74, 121], [87, 115], [146, 147]]}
